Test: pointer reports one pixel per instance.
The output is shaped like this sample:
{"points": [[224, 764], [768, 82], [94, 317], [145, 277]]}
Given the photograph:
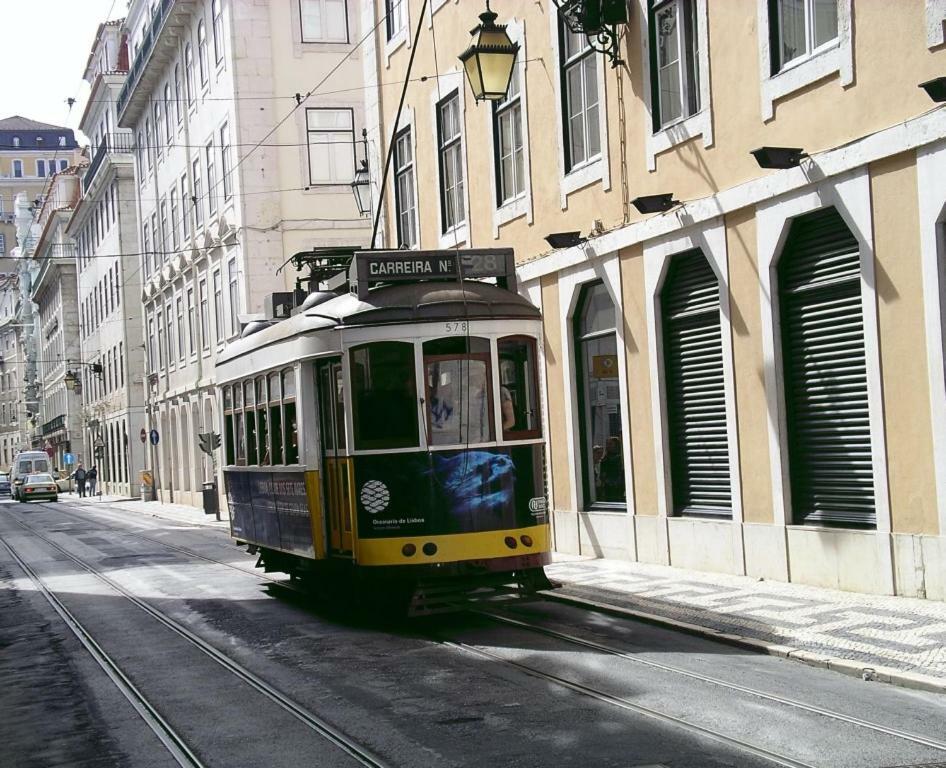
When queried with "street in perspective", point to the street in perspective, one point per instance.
{"points": [[475, 383]]}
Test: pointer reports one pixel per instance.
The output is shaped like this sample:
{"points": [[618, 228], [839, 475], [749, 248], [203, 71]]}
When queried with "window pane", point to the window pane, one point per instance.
{"points": [[791, 29], [604, 462], [384, 396], [292, 435], [826, 21], [458, 384], [598, 311], [518, 399]]}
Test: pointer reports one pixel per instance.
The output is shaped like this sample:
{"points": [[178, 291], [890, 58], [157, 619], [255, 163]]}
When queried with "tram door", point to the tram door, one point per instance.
{"points": [[336, 464]]}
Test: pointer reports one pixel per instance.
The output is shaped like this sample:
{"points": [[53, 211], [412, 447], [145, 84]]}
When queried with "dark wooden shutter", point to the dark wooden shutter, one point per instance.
{"points": [[825, 374], [696, 389]]}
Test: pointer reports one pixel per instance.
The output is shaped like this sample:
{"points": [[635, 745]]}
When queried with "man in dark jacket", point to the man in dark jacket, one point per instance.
{"points": [[91, 479], [80, 475]]}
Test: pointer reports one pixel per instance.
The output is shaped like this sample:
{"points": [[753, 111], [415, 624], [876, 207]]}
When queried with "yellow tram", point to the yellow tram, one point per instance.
{"points": [[391, 435]]}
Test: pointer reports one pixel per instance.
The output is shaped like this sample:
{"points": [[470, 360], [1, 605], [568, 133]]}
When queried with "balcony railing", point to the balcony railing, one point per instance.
{"points": [[144, 52], [54, 425], [110, 144]]}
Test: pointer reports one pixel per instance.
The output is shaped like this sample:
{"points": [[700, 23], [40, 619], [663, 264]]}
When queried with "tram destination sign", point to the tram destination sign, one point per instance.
{"points": [[373, 267]]}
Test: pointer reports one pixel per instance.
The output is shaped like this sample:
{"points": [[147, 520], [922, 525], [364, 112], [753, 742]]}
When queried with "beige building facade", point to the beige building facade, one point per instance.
{"points": [[752, 381]]}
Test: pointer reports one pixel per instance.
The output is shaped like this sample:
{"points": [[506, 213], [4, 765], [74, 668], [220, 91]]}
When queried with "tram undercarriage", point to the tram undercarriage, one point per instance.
{"points": [[416, 591]]}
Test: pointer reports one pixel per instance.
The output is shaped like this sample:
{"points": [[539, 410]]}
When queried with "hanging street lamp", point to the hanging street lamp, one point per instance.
{"points": [[71, 381], [489, 59], [361, 189]]}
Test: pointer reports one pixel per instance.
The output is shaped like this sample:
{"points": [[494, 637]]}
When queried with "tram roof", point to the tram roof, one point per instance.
{"points": [[405, 303]]}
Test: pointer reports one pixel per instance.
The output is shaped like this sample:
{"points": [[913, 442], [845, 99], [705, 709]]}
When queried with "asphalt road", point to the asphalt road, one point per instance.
{"points": [[127, 641]]}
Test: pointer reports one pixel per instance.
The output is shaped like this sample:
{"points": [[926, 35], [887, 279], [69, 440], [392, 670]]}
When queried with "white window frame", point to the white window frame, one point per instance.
{"points": [[697, 124], [217, 27], [836, 56], [935, 15], [233, 295], [309, 133], [302, 37], [521, 205], [710, 239], [598, 169], [401, 37], [606, 268], [850, 194], [203, 64], [930, 169], [459, 234], [412, 139]]}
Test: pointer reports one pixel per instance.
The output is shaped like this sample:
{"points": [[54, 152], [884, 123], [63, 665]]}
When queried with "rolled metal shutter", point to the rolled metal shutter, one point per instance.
{"points": [[696, 389], [825, 374]]}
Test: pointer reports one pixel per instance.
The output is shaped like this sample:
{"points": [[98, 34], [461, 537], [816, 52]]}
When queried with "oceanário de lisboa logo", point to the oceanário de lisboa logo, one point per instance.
{"points": [[375, 497]]}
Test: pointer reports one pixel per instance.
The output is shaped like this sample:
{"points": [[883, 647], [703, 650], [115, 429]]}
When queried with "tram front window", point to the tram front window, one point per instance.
{"points": [[384, 396], [518, 399], [459, 397]]}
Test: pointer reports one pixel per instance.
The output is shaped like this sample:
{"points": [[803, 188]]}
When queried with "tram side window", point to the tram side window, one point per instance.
{"points": [[275, 422], [289, 416], [239, 435], [228, 425], [518, 393], [459, 397], [262, 422], [384, 396], [249, 415]]}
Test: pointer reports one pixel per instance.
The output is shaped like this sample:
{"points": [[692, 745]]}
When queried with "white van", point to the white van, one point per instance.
{"points": [[27, 463]]}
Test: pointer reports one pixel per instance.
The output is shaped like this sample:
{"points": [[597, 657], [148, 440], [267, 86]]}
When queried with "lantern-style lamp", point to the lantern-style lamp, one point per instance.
{"points": [[489, 59], [71, 381], [360, 188]]}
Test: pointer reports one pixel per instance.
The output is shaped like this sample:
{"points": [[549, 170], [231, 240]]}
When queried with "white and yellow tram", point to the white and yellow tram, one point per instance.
{"points": [[392, 435]]}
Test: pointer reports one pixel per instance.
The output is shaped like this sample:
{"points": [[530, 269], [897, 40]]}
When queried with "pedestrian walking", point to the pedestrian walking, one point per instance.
{"points": [[91, 478], [80, 476]]}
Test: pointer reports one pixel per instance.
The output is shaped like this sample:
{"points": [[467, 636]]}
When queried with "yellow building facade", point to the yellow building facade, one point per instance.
{"points": [[751, 381]]}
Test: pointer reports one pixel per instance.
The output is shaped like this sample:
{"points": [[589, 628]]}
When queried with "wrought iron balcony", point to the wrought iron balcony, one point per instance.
{"points": [[143, 54], [110, 144], [54, 425]]}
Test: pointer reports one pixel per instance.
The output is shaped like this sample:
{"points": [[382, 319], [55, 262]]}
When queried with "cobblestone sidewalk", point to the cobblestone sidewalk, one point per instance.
{"points": [[902, 640], [179, 513]]}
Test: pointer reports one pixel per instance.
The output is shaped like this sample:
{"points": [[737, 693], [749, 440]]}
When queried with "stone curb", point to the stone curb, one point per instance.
{"points": [[868, 672]]}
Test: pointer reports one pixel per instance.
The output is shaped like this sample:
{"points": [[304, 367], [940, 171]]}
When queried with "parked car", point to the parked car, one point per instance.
{"points": [[25, 464], [41, 486], [4, 483]]}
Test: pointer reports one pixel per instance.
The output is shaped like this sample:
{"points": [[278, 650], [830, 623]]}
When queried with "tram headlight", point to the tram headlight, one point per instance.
{"points": [[430, 549], [526, 540], [408, 550], [511, 542]]}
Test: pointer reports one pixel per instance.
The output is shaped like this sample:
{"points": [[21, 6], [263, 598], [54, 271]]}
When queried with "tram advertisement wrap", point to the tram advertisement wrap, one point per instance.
{"points": [[270, 508], [441, 492]]}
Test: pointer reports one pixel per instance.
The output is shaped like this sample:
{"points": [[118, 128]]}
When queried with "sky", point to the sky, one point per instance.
{"points": [[46, 44]]}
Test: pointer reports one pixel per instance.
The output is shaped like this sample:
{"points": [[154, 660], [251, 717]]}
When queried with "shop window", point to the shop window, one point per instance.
{"points": [[599, 397], [384, 396]]}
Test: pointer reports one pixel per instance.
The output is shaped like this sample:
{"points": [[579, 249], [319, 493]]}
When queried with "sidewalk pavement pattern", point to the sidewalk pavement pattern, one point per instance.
{"points": [[891, 639], [896, 639]]}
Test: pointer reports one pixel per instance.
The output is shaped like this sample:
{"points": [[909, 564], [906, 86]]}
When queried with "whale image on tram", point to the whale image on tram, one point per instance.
{"points": [[388, 435]]}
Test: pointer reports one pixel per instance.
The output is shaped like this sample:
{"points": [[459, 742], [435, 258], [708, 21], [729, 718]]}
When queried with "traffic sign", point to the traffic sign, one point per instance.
{"points": [[153, 436], [144, 435], [69, 458]]}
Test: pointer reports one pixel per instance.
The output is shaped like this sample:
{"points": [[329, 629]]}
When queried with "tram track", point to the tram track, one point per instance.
{"points": [[169, 738], [360, 754], [914, 738], [610, 698]]}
